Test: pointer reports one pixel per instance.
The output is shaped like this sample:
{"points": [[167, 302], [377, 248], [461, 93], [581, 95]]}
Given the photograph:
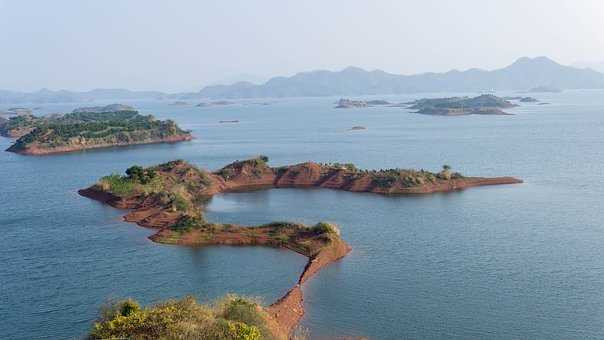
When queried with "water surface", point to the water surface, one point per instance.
{"points": [[521, 261]]}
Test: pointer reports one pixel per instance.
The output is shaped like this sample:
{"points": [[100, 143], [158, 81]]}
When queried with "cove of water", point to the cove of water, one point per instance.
{"points": [[521, 261]]}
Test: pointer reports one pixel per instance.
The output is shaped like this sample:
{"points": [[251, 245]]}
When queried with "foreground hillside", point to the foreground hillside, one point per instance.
{"points": [[231, 318], [88, 128]]}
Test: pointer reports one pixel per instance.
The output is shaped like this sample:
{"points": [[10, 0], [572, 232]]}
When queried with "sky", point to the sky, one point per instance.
{"points": [[182, 45]]}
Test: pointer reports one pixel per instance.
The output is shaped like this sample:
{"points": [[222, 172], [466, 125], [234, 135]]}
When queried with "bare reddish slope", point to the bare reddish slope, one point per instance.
{"points": [[150, 210], [246, 175]]}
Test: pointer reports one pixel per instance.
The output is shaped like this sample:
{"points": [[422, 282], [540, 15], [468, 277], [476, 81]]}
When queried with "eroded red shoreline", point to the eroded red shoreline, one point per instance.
{"points": [[148, 211]]}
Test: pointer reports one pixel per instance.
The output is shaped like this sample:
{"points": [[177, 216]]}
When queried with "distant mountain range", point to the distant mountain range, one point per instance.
{"points": [[524, 74], [64, 96], [596, 66]]}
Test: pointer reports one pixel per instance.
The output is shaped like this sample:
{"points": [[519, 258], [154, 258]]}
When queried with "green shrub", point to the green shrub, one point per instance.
{"points": [[457, 175], [235, 308], [384, 180], [182, 319], [325, 228], [187, 223], [180, 203], [140, 175], [129, 307]]}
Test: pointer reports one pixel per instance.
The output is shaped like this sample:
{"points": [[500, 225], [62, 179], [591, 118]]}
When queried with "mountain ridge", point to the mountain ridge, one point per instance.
{"points": [[523, 74]]}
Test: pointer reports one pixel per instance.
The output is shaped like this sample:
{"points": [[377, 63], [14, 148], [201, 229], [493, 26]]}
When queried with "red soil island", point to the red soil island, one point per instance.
{"points": [[170, 196]]}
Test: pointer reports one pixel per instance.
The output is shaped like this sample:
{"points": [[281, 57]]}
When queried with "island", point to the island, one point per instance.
{"points": [[88, 128], [349, 103], [486, 104], [378, 102], [15, 111], [522, 99], [528, 100], [215, 103], [170, 197]]}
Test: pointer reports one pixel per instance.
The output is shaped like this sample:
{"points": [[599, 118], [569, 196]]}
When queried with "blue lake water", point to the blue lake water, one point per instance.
{"points": [[508, 262]]}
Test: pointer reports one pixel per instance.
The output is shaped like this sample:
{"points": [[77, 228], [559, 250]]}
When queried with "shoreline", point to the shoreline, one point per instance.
{"points": [[148, 210], [285, 312], [34, 151]]}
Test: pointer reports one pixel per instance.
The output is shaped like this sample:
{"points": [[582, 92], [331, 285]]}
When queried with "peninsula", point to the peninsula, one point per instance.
{"points": [[169, 197], [88, 128], [485, 104]]}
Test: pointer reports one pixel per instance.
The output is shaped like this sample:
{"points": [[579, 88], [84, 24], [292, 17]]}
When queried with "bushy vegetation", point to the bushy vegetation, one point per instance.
{"points": [[406, 177], [137, 180], [139, 174], [325, 228], [92, 128], [446, 173], [187, 223], [117, 184], [409, 177], [482, 101], [343, 166], [17, 122], [231, 317]]}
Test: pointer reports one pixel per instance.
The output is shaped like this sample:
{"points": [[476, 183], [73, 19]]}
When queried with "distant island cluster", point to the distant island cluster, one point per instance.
{"points": [[486, 104], [120, 125]]}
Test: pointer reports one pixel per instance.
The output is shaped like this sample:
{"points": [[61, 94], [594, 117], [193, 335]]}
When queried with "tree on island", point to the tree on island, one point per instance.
{"points": [[445, 173], [138, 174]]}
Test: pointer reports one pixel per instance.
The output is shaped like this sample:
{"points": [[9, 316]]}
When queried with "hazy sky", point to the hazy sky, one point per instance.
{"points": [[182, 45]]}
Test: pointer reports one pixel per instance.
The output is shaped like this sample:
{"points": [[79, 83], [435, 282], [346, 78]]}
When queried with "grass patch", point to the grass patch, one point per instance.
{"points": [[119, 185]]}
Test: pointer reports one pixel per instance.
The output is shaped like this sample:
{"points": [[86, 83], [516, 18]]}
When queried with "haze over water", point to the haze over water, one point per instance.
{"points": [[519, 261]]}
